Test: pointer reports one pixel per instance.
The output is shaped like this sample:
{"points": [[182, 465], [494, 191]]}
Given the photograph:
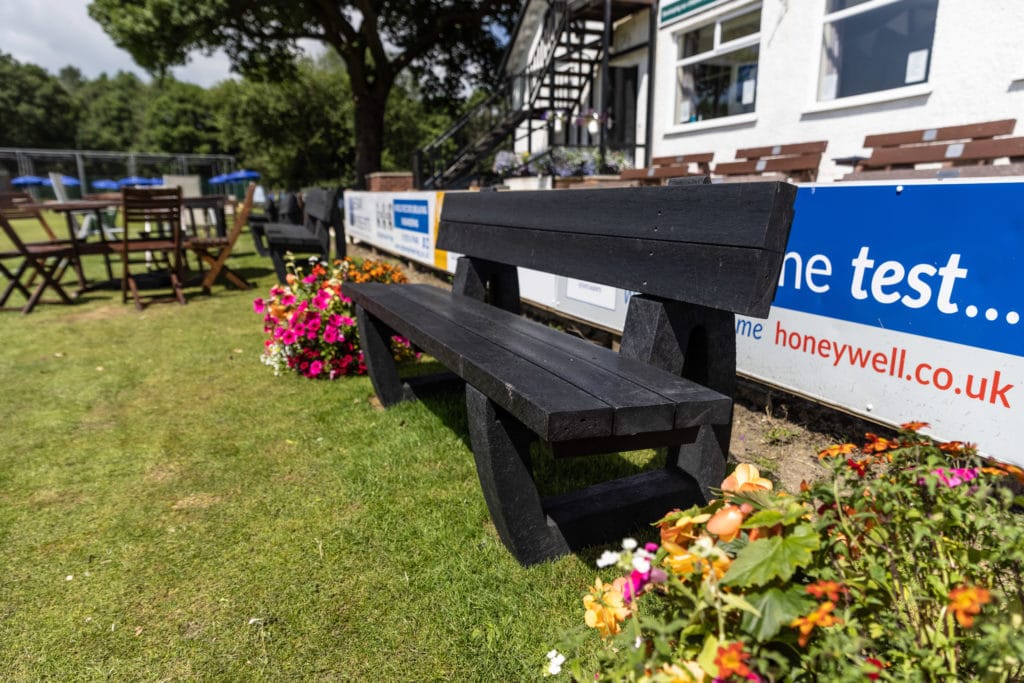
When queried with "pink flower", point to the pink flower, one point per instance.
{"points": [[259, 305], [315, 368], [334, 320], [309, 279], [289, 337], [330, 334], [287, 299], [951, 477], [322, 299], [347, 321]]}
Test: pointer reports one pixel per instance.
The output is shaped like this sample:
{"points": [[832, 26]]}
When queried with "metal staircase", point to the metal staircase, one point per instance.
{"points": [[556, 84]]}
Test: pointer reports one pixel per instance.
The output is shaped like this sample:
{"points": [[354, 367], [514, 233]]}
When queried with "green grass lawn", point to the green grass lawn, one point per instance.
{"points": [[169, 509]]}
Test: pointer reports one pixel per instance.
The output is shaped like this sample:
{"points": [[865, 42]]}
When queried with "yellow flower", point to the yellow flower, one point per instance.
{"points": [[605, 609], [703, 556], [746, 478], [838, 449], [966, 601], [689, 672]]}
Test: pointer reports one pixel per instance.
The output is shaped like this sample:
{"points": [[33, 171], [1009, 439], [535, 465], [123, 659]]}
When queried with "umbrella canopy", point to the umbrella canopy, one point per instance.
{"points": [[132, 180], [105, 184], [70, 181], [28, 180], [242, 174], [222, 178]]}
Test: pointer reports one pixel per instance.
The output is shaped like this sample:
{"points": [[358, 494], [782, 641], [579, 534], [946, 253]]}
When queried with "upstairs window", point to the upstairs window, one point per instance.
{"points": [[874, 45], [716, 67]]}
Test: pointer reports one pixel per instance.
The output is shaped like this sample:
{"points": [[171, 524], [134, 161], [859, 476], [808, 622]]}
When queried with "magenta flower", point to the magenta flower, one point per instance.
{"points": [[259, 305], [315, 368], [347, 321], [330, 334], [289, 337], [323, 299], [951, 477], [287, 299], [309, 279]]}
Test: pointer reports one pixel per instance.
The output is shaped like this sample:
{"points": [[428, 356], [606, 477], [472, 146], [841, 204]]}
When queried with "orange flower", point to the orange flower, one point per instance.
{"points": [[732, 660], [879, 444], [678, 527], [831, 589], [914, 426], [822, 617], [746, 478], [859, 466], [966, 601], [290, 278], [838, 449], [605, 609], [957, 447], [726, 522]]}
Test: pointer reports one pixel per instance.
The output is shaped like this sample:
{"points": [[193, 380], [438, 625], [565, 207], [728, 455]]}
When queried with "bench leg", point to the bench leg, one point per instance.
{"points": [[501, 448], [700, 344], [375, 340]]}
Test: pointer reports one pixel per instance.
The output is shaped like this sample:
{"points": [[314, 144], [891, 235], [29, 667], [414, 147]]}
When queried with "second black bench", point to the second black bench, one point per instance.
{"points": [[694, 255]]}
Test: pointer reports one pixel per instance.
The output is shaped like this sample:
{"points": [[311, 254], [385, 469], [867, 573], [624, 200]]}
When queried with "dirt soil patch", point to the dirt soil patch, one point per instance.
{"points": [[778, 432]]}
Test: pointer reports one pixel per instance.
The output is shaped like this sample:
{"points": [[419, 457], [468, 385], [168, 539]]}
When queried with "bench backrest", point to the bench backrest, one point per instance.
{"points": [[798, 160], [953, 145], [719, 246], [678, 166]]}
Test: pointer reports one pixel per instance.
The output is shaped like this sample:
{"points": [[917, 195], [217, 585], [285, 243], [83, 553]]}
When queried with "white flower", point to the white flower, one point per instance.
{"points": [[641, 564], [555, 662], [608, 558], [629, 544]]}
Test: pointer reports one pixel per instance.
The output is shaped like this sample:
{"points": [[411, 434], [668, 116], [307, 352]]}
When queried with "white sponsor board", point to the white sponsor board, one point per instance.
{"points": [[896, 302]]}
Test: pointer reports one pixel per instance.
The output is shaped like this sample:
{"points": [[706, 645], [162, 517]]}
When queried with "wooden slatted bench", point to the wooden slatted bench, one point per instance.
{"points": [[321, 213], [969, 150], [692, 254], [795, 162], [663, 168]]}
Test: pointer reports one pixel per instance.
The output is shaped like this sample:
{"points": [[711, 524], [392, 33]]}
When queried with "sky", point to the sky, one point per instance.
{"points": [[55, 33]]}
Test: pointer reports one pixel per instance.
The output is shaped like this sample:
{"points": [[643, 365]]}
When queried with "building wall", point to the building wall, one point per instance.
{"points": [[976, 74]]}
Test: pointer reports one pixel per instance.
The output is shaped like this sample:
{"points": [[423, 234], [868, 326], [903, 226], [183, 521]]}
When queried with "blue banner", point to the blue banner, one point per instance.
{"points": [[938, 260], [412, 215]]}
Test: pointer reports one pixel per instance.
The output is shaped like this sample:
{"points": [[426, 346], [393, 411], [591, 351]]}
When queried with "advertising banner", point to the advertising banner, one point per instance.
{"points": [[402, 223]]}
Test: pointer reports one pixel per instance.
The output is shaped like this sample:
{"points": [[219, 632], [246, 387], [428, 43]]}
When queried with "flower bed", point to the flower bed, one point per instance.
{"points": [[904, 565], [310, 323]]}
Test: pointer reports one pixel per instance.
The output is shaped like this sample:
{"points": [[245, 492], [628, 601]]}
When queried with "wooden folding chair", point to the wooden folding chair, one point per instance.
{"points": [[204, 247], [47, 261], [158, 212]]}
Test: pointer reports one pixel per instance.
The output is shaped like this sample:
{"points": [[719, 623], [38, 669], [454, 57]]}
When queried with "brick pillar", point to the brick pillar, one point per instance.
{"points": [[400, 181]]}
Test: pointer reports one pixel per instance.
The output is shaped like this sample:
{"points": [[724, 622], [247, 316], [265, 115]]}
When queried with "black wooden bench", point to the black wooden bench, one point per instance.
{"points": [[313, 236], [694, 255]]}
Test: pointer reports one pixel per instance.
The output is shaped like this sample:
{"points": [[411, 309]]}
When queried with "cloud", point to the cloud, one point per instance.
{"points": [[56, 33]]}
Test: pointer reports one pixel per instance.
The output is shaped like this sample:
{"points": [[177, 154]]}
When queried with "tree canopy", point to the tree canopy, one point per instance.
{"points": [[35, 109], [438, 43]]}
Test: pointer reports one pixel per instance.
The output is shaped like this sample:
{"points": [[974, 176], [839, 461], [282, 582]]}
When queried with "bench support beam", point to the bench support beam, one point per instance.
{"points": [[375, 338], [697, 343]]}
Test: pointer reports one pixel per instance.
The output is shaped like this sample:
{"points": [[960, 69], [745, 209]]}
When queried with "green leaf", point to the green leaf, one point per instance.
{"points": [[706, 658], [776, 557], [763, 518], [738, 602], [777, 608]]}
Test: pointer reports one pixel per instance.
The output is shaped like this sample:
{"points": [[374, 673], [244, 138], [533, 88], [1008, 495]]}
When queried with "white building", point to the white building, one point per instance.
{"points": [[729, 74]]}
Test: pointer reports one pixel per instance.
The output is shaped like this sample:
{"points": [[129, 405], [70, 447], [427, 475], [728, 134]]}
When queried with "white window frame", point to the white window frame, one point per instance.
{"points": [[718, 49], [915, 89]]}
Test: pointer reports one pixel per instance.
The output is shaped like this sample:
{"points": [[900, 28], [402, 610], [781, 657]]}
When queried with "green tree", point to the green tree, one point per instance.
{"points": [[112, 112], [178, 118], [35, 109], [438, 43], [296, 132]]}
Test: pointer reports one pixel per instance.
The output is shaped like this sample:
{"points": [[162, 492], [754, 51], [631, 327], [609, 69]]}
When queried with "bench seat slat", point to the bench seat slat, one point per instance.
{"points": [[730, 278], [737, 215], [547, 404], [694, 404], [645, 398]]}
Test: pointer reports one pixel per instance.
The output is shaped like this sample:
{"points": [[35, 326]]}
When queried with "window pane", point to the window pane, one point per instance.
{"points": [[836, 5], [724, 85], [887, 47], [697, 41], [743, 25]]}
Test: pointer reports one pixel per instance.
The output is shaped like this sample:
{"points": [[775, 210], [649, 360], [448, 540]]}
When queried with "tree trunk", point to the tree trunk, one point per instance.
{"points": [[369, 115]]}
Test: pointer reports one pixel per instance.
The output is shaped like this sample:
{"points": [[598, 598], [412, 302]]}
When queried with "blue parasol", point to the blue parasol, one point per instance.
{"points": [[242, 174], [132, 180], [217, 179], [29, 180], [105, 184]]}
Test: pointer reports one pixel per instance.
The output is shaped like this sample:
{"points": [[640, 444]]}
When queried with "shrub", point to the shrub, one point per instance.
{"points": [[905, 564], [310, 323]]}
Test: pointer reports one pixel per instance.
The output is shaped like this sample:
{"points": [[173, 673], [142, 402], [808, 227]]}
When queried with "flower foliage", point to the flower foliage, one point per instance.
{"points": [[904, 565], [310, 324]]}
